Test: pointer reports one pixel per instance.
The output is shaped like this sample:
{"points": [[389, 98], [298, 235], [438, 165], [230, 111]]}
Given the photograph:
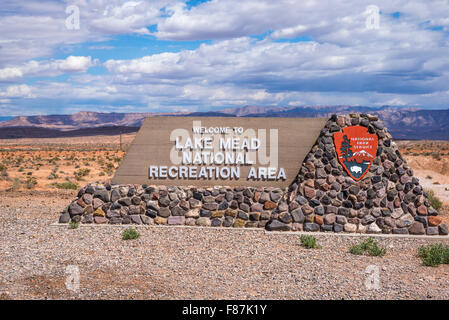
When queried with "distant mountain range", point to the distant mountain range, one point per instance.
{"points": [[403, 123]]}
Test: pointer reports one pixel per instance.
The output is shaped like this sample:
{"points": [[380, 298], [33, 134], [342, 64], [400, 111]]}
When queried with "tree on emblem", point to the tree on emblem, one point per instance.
{"points": [[345, 148]]}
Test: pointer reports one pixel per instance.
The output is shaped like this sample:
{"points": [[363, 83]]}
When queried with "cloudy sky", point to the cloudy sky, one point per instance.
{"points": [[59, 57]]}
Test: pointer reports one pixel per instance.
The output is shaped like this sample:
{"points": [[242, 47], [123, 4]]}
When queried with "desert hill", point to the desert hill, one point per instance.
{"points": [[403, 123]]}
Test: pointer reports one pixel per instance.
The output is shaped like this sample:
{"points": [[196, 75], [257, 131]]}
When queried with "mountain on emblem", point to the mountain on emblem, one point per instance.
{"points": [[356, 150]]}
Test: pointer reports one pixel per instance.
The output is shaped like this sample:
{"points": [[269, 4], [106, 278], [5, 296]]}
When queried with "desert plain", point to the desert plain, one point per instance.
{"points": [[39, 177]]}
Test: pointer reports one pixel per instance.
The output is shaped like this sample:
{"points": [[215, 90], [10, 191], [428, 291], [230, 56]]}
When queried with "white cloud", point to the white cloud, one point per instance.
{"points": [[10, 73], [75, 64], [17, 91], [72, 64]]}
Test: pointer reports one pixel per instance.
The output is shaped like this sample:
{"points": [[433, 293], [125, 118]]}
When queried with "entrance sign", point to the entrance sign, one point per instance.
{"points": [[222, 151], [356, 150]]}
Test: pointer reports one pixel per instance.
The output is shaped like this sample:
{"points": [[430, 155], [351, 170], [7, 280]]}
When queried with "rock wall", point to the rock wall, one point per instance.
{"points": [[323, 197]]}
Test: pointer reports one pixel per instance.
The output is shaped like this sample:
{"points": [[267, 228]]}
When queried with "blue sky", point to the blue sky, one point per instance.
{"points": [[172, 55]]}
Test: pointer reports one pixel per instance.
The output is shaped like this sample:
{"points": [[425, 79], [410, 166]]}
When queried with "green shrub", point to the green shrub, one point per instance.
{"points": [[67, 185], [30, 182], [436, 156], [369, 246], [81, 173], [435, 202], [73, 225], [16, 184], [309, 242], [4, 174], [130, 234], [109, 168], [52, 176], [434, 255]]}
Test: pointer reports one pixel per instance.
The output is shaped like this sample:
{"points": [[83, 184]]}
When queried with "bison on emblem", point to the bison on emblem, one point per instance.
{"points": [[356, 150]]}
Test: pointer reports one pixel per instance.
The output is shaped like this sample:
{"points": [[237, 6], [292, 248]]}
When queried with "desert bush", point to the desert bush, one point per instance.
{"points": [[436, 156], [67, 185], [16, 184], [369, 246], [73, 225], [3, 172], [434, 255], [52, 176], [30, 182], [435, 202], [81, 173], [309, 242], [109, 168], [130, 234]]}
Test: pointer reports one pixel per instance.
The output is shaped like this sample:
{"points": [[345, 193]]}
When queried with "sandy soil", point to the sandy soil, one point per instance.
{"points": [[195, 263]]}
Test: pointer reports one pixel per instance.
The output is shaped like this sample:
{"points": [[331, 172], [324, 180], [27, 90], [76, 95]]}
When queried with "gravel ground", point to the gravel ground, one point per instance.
{"points": [[194, 263]]}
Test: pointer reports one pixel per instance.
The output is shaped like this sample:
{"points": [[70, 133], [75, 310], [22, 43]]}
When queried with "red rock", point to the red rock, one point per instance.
{"points": [[269, 205], [319, 220], [309, 192], [422, 210], [325, 187], [100, 220], [310, 166], [388, 164], [309, 183], [256, 196], [434, 221], [81, 203]]}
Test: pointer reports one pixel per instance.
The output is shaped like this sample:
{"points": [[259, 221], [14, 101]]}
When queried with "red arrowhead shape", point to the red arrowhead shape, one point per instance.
{"points": [[356, 150]]}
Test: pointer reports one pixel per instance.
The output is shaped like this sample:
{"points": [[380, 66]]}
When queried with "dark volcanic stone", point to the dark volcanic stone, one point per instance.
{"points": [[198, 196], [338, 227], [75, 209], [102, 194], [417, 228], [400, 231], [164, 201], [311, 227], [216, 222], [205, 213], [151, 213], [432, 231], [276, 225], [244, 207], [125, 202], [76, 218], [421, 219], [178, 211], [297, 215], [285, 217], [242, 215], [65, 217], [135, 218], [228, 221], [443, 230], [115, 195], [164, 212], [210, 206]]}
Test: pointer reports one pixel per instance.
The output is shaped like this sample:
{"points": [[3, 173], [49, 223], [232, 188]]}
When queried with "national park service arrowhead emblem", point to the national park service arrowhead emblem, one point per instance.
{"points": [[356, 150]]}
